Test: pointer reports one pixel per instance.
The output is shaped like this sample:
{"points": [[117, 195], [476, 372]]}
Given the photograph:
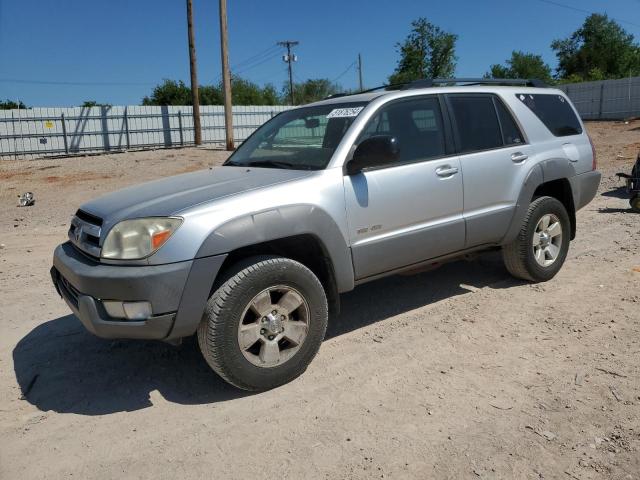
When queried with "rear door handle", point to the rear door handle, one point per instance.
{"points": [[519, 157], [446, 171]]}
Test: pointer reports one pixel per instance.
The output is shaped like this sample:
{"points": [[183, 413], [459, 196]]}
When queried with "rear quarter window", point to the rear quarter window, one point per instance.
{"points": [[554, 111]]}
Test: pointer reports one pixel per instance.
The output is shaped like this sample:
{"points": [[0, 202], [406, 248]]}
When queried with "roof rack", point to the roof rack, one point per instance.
{"points": [[432, 82]]}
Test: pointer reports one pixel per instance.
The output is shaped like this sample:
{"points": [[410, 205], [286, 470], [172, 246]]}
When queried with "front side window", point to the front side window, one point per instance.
{"points": [[415, 123], [301, 139], [554, 111], [477, 122]]}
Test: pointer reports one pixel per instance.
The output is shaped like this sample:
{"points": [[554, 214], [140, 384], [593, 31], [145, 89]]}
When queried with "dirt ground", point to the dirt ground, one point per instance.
{"points": [[461, 372]]}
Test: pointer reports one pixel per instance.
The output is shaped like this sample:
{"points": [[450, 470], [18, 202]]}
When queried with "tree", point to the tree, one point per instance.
{"points": [[311, 90], [600, 49], [10, 104], [93, 103], [521, 65], [169, 92], [244, 92], [427, 52]]}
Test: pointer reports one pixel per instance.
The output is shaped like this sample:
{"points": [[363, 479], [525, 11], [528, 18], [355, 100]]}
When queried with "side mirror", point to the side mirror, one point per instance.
{"points": [[376, 151]]}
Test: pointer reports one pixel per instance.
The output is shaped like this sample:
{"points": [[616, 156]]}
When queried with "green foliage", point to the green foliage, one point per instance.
{"points": [[312, 90], [600, 49], [10, 104], [427, 52], [93, 103], [243, 92], [521, 65], [169, 92]]}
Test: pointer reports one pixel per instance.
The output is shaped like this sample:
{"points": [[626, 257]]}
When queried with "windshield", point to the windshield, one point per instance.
{"points": [[301, 139]]}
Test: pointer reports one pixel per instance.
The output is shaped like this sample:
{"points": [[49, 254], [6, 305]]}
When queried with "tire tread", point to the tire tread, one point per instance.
{"points": [[210, 332]]}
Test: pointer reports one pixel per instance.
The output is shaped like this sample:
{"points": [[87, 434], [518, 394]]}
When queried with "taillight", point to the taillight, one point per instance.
{"points": [[594, 163]]}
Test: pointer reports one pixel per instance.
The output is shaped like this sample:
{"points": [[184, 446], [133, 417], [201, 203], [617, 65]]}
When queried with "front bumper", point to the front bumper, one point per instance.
{"points": [[178, 293]]}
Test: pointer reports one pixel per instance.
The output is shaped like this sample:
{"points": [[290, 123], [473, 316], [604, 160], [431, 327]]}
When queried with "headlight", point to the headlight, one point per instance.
{"points": [[139, 238]]}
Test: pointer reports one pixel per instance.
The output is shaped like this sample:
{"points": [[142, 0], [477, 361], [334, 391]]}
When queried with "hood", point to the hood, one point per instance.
{"points": [[169, 196]]}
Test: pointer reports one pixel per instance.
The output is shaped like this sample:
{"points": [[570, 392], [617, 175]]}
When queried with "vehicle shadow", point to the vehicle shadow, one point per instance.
{"points": [[618, 192], [61, 367], [615, 210]]}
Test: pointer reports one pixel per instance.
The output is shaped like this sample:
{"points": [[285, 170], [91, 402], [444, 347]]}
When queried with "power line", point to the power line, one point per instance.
{"points": [[257, 56], [55, 82], [249, 67], [343, 73], [576, 9]]}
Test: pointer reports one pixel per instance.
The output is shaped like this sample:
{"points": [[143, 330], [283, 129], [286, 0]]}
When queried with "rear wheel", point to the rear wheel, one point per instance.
{"points": [[264, 324], [541, 246]]}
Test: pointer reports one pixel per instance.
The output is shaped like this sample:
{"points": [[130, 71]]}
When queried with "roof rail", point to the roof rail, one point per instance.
{"points": [[339, 94], [432, 82]]}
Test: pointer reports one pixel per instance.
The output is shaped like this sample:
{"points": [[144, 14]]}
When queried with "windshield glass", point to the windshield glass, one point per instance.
{"points": [[302, 138]]}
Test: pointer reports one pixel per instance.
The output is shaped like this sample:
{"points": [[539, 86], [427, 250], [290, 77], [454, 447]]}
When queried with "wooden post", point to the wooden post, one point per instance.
{"points": [[226, 76], [197, 130]]}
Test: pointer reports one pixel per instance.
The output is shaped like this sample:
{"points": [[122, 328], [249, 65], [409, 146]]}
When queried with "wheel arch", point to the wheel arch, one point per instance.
{"points": [[305, 233], [550, 178], [305, 248]]}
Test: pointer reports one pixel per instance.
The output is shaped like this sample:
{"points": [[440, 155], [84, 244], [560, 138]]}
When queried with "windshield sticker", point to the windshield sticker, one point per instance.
{"points": [[345, 112]]}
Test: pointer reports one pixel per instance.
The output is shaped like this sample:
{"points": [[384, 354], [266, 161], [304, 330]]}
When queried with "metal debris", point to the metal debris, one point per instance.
{"points": [[26, 199]]}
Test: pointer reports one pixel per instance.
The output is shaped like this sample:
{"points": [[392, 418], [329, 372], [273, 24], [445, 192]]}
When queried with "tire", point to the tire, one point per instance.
{"points": [[537, 263], [241, 301]]}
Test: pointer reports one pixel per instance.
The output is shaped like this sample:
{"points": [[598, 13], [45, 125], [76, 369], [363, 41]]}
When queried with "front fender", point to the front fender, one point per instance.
{"points": [[282, 222]]}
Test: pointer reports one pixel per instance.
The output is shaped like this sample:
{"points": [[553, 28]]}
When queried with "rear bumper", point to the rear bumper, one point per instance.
{"points": [[178, 293], [584, 188]]}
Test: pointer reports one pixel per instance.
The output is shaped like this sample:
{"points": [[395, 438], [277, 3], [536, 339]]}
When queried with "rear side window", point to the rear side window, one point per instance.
{"points": [[477, 122], [511, 134], [554, 111]]}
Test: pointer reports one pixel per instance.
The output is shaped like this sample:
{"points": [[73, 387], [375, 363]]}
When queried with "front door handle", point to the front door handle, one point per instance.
{"points": [[446, 171], [519, 157]]}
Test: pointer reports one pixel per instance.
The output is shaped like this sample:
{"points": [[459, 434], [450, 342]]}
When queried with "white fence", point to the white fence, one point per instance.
{"points": [[607, 99], [37, 132]]}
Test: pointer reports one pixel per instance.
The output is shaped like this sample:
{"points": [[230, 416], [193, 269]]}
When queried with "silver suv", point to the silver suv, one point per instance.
{"points": [[252, 256]]}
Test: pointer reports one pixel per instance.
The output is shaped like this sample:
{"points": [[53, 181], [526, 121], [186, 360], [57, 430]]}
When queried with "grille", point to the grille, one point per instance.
{"points": [[84, 233]]}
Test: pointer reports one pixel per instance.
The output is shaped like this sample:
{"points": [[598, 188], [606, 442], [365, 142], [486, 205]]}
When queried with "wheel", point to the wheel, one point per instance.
{"points": [[264, 323], [635, 203], [541, 246]]}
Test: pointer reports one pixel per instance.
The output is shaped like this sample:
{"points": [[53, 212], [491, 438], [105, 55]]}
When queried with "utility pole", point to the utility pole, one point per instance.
{"points": [[290, 58], [226, 76], [197, 130], [360, 72]]}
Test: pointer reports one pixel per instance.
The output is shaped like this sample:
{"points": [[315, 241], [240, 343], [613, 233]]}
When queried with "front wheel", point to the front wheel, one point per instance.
{"points": [[541, 246], [264, 324]]}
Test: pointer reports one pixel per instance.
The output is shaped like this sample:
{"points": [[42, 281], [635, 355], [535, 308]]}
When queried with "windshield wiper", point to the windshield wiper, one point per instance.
{"points": [[231, 163], [275, 164]]}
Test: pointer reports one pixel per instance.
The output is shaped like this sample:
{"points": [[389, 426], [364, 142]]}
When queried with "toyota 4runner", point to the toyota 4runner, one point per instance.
{"points": [[253, 255]]}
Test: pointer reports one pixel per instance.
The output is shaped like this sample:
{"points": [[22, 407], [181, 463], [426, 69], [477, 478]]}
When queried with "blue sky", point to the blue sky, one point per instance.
{"points": [[116, 50]]}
